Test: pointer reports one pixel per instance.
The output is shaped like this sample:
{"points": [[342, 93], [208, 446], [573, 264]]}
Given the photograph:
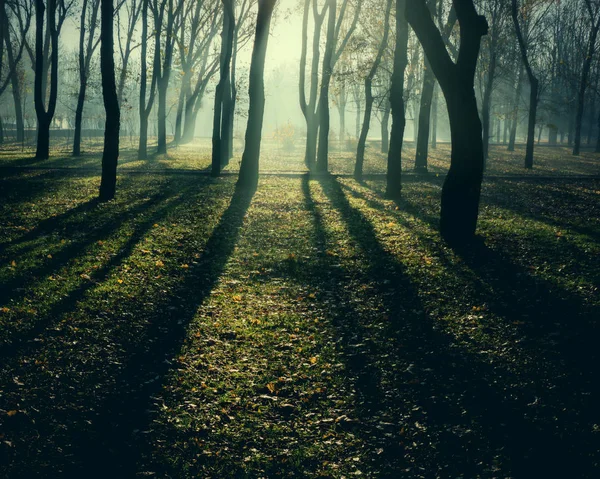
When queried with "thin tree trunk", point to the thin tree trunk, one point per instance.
{"points": [[385, 127], [360, 152], [434, 113], [323, 147], [515, 111]]}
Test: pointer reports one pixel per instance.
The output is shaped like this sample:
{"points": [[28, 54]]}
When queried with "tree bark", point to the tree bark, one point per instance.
{"points": [[394, 159], [360, 152], [385, 127], [323, 147], [248, 177], [219, 121], [110, 155], [515, 112], [462, 187], [424, 120]]}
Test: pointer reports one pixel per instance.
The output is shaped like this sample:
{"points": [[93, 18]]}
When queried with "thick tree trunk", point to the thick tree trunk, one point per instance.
{"points": [[189, 124], [180, 109], [424, 120], [312, 131], [248, 177], [226, 125], [598, 138], [110, 155], [462, 187], [394, 159]]}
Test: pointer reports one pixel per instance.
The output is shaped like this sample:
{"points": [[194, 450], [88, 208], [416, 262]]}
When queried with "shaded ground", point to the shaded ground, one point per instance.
{"points": [[549, 161], [313, 330]]}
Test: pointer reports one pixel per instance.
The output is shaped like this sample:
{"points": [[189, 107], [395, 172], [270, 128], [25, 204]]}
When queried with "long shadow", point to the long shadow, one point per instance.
{"points": [[21, 341], [114, 447], [18, 286], [473, 408]]}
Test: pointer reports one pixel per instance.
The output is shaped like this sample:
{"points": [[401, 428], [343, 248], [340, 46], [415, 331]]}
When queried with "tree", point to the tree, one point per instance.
{"points": [[248, 177], [360, 152], [427, 99], [593, 10], [146, 106], [462, 186], [167, 32], [86, 50], [330, 57], [110, 155], [220, 125], [394, 158], [44, 116], [309, 107]]}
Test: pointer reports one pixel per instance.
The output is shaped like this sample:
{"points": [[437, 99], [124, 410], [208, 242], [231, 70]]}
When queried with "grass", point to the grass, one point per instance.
{"points": [[549, 161], [313, 329]]}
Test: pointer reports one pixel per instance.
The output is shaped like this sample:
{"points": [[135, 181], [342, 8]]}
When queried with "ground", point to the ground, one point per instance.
{"points": [[313, 329]]}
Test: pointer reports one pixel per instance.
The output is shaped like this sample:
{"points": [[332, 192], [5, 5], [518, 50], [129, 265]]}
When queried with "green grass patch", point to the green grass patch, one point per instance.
{"points": [[311, 330]]}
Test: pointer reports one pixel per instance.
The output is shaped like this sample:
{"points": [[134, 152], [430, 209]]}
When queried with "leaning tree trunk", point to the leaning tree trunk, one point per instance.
{"points": [[79, 118], [394, 159], [110, 155], [248, 177], [486, 106], [533, 104]]}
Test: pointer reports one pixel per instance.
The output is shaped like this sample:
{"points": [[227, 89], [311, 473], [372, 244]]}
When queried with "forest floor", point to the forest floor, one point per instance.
{"points": [[312, 329], [196, 156]]}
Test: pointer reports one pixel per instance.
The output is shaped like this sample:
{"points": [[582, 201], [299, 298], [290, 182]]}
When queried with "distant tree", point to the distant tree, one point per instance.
{"points": [[110, 155], [248, 177], [87, 46], [145, 105], [427, 98], [369, 99], [462, 187]]}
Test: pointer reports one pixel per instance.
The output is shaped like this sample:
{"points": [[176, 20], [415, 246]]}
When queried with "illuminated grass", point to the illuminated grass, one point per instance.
{"points": [[314, 330]]}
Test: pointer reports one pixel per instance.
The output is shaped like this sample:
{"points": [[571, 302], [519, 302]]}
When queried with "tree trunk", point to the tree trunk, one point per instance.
{"points": [[143, 140], [360, 153], [110, 155], [424, 120], [248, 177], [385, 128], [462, 187], [161, 147], [323, 147], [533, 103], [394, 159], [218, 117], [587, 64], [79, 118], [434, 113], [486, 104], [515, 111]]}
